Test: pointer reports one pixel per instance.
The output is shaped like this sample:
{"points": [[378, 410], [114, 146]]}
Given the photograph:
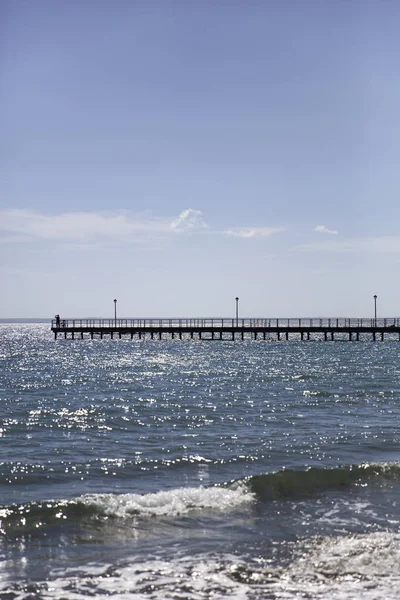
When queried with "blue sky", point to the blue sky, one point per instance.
{"points": [[177, 154]]}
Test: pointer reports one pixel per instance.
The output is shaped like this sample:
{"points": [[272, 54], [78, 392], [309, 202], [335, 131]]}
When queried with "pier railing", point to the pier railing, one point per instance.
{"points": [[222, 323]]}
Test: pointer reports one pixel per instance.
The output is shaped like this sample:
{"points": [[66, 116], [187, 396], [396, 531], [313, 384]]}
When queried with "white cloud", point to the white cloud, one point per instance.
{"points": [[87, 227], [252, 232], [189, 220], [323, 229]]}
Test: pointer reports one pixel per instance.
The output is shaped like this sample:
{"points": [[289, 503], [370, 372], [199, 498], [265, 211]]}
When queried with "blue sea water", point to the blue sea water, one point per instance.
{"points": [[189, 469]]}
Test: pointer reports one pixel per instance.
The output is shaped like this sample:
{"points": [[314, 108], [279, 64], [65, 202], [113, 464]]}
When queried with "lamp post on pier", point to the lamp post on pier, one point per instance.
{"points": [[237, 311], [115, 311], [375, 297]]}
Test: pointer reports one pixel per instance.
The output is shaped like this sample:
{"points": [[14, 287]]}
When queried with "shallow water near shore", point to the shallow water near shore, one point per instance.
{"points": [[187, 469]]}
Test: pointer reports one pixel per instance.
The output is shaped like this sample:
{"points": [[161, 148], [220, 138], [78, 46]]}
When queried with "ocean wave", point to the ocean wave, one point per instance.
{"points": [[290, 483], [280, 485], [171, 503], [98, 507]]}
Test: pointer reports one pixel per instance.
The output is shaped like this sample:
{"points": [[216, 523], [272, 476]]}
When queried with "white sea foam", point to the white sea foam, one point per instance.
{"points": [[171, 503], [342, 568], [353, 567]]}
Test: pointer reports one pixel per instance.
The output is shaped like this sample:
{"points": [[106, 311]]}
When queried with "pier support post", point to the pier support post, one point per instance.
{"points": [[278, 335], [91, 335], [374, 336], [264, 335], [287, 336]]}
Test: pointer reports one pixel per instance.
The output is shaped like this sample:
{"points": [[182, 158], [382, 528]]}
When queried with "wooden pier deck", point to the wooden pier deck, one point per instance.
{"points": [[325, 329]]}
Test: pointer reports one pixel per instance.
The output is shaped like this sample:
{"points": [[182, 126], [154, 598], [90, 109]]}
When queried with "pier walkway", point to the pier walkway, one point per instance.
{"points": [[325, 329]]}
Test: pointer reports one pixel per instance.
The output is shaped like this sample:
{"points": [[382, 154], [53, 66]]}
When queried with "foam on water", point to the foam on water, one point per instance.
{"points": [[169, 503], [339, 568], [342, 568]]}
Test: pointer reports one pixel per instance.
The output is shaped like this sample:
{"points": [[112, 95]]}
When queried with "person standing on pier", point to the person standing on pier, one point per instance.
{"points": [[57, 320]]}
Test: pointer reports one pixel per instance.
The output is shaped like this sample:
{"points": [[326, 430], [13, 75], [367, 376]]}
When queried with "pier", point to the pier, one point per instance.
{"points": [[231, 329]]}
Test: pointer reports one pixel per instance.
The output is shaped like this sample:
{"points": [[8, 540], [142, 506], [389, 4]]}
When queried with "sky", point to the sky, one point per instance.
{"points": [[175, 155]]}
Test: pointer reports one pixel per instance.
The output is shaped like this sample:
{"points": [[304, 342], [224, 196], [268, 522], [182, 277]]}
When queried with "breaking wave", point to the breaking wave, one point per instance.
{"points": [[280, 485]]}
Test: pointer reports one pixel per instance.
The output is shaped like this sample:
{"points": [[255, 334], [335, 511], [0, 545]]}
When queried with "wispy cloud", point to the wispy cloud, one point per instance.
{"points": [[324, 229], [189, 220], [252, 232], [88, 227]]}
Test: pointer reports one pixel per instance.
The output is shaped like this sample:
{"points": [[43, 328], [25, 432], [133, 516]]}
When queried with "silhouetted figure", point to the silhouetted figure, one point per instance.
{"points": [[57, 320]]}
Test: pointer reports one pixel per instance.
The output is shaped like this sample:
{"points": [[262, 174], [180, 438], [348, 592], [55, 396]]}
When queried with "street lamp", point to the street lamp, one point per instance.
{"points": [[375, 297], [237, 311], [115, 311]]}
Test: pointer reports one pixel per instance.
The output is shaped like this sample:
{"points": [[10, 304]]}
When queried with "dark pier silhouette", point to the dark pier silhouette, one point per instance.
{"points": [[321, 329]]}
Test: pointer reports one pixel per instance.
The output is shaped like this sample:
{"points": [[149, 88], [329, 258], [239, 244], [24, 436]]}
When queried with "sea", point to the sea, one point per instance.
{"points": [[189, 469]]}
